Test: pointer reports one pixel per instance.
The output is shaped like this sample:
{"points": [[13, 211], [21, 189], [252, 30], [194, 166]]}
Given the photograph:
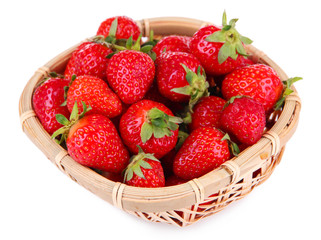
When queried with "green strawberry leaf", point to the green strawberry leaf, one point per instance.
{"points": [[146, 132], [186, 90], [62, 119], [113, 28], [145, 165]]}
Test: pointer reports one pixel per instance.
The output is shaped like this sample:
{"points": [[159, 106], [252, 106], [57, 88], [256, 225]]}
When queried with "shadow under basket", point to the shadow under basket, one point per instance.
{"points": [[186, 203]]}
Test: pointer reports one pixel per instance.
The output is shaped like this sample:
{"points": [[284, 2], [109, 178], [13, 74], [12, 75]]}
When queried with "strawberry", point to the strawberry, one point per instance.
{"points": [[150, 125], [244, 118], [124, 27], [220, 50], [144, 170], [96, 93], [202, 151], [180, 77], [130, 74], [93, 141], [258, 81], [89, 59], [47, 100], [172, 43], [207, 112]]}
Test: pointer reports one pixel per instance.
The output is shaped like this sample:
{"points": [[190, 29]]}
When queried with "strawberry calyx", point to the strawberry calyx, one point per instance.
{"points": [[67, 124], [158, 124], [231, 100], [234, 149], [136, 163], [232, 39], [197, 88], [286, 91]]}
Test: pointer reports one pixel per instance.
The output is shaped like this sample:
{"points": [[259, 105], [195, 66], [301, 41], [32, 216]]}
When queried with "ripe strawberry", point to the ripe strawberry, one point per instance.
{"points": [[257, 81], [47, 100], [96, 93], [144, 170], [124, 28], [244, 118], [89, 59], [220, 50], [207, 112], [130, 74], [202, 151], [93, 141], [172, 43], [180, 77], [151, 126]]}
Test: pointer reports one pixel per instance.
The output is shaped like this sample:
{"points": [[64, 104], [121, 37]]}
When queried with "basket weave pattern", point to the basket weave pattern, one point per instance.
{"points": [[182, 204]]}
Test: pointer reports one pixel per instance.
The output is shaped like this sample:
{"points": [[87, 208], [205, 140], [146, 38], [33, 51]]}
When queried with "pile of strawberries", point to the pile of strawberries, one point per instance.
{"points": [[159, 111]]}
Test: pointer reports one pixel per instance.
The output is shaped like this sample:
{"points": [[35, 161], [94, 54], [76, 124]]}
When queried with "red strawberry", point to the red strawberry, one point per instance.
{"points": [[130, 74], [93, 141], [244, 118], [220, 50], [180, 77], [207, 112], [144, 170], [96, 93], [47, 100], [125, 27], [202, 151], [257, 81], [150, 125], [172, 43], [89, 59]]}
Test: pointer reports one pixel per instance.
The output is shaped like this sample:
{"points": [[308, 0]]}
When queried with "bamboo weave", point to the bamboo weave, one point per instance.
{"points": [[182, 204]]}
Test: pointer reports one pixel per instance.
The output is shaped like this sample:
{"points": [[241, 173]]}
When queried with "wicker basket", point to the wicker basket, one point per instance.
{"points": [[187, 203]]}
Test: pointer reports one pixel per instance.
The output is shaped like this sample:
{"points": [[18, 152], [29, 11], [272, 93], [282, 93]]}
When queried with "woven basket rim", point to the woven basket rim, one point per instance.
{"points": [[165, 198]]}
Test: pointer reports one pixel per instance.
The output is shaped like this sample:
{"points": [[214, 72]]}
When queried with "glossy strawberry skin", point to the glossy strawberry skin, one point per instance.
{"points": [[257, 81], [126, 27], [207, 112], [154, 177], [172, 43], [130, 126], [244, 119], [96, 93], [88, 59], [94, 142], [47, 100], [207, 53], [202, 151], [170, 74], [130, 74]]}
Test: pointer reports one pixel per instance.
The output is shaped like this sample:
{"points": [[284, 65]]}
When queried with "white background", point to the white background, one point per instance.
{"points": [[37, 201]]}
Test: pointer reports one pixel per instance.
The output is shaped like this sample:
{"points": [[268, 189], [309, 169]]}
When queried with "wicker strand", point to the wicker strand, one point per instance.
{"points": [[146, 27], [294, 97], [58, 159], [117, 194], [24, 116], [198, 190], [275, 140], [234, 168], [43, 70]]}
